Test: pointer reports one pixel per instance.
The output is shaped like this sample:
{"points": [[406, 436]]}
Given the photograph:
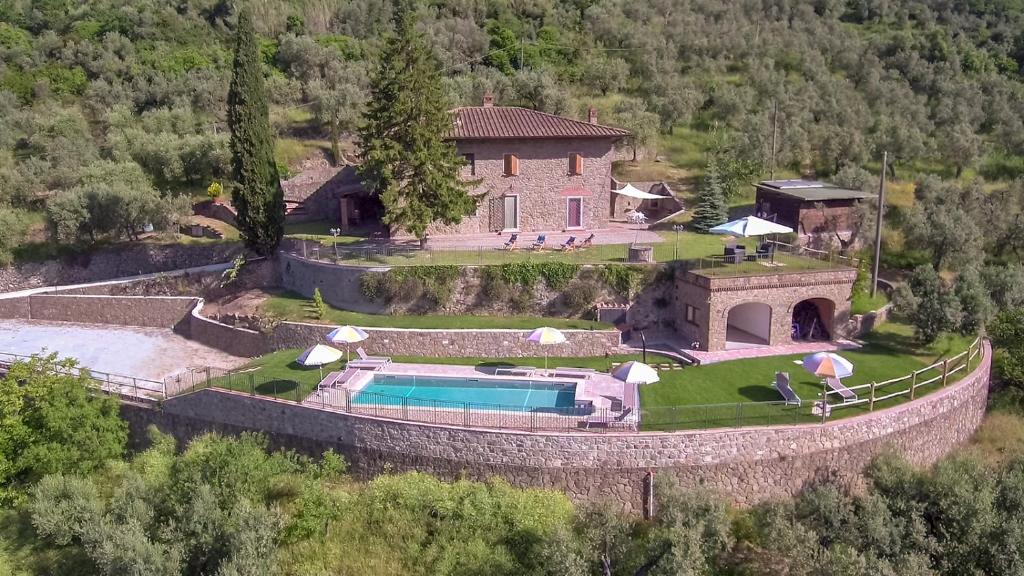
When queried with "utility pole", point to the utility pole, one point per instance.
{"points": [[878, 225], [775, 133]]}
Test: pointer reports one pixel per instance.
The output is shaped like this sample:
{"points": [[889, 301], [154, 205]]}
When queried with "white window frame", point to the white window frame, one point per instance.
{"points": [[582, 225]]}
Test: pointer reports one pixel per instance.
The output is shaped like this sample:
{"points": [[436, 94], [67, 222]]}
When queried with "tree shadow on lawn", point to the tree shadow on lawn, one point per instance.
{"points": [[277, 387], [759, 393]]}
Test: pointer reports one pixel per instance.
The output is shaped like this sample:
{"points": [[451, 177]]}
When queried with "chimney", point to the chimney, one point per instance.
{"points": [[592, 115], [488, 99]]}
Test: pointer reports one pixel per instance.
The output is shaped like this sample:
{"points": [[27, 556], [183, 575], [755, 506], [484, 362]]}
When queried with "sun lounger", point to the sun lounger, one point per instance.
{"points": [[341, 378], [364, 357], [573, 372], [837, 386], [539, 242], [587, 243], [625, 419], [511, 243], [569, 244], [782, 385], [515, 371]]}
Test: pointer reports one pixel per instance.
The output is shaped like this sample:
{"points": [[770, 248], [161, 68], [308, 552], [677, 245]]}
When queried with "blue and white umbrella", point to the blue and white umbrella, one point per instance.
{"points": [[346, 335], [318, 355], [750, 226]]}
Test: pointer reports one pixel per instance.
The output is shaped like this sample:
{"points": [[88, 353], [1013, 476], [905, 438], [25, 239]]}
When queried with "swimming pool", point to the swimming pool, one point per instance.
{"points": [[458, 392]]}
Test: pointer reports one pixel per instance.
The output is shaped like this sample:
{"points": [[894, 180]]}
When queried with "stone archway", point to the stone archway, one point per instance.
{"points": [[813, 319], [749, 325]]}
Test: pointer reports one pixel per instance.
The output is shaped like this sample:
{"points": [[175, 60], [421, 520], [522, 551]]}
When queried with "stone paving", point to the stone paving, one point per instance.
{"points": [[600, 389]]}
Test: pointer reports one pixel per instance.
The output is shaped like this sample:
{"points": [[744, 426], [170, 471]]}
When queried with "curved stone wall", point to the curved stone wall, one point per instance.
{"points": [[745, 465]]}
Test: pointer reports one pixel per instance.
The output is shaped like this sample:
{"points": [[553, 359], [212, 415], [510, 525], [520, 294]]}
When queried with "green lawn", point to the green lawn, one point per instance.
{"points": [[292, 306], [699, 248], [889, 352], [714, 395], [862, 302]]}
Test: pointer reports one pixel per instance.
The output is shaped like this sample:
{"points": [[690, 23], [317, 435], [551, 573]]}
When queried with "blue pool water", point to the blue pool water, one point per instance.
{"points": [[480, 393]]}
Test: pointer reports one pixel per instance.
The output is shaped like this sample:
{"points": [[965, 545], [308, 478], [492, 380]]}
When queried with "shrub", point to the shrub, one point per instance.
{"points": [[319, 306], [1007, 331], [557, 275], [625, 280], [580, 296], [372, 285], [493, 285]]}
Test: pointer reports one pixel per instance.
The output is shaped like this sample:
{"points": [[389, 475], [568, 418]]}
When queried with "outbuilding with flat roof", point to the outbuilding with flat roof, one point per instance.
{"points": [[819, 212]]}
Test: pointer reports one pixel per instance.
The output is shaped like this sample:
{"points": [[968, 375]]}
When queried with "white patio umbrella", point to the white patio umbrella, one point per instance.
{"points": [[634, 372], [346, 335], [828, 365], [750, 226], [546, 336], [318, 355]]}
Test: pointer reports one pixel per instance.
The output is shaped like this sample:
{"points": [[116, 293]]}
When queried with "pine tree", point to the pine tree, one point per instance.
{"points": [[257, 194], [711, 208], [406, 160]]}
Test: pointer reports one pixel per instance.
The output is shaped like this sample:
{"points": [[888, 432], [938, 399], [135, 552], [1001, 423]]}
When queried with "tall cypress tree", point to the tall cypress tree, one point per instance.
{"points": [[257, 195], [711, 207], [406, 160]]}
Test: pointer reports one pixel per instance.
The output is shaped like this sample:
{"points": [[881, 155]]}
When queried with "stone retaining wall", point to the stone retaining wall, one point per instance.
{"points": [[453, 343], [145, 311], [231, 339], [744, 465]]}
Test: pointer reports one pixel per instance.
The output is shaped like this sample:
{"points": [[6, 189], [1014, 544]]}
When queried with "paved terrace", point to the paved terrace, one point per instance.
{"points": [[614, 235], [601, 389]]}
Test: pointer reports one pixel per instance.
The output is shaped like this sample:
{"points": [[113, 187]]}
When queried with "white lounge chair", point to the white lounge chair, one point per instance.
{"points": [[625, 419], [515, 371], [782, 385], [379, 359], [837, 386], [573, 372]]}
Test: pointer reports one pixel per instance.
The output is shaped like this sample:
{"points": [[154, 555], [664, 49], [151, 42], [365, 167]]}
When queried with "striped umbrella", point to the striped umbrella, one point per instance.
{"points": [[318, 355], [546, 336], [346, 335], [828, 365]]}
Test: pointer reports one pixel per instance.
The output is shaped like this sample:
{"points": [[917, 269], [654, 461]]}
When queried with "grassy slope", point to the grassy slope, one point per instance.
{"points": [[292, 306]]}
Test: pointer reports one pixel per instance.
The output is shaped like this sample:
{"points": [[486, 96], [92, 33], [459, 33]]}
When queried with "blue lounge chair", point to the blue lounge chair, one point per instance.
{"points": [[511, 243], [539, 242], [569, 244]]}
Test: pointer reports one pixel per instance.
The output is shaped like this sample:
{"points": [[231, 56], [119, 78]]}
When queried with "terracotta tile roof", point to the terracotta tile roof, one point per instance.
{"points": [[497, 122]]}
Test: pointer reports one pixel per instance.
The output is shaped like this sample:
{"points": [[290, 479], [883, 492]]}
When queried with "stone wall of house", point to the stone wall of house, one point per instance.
{"points": [[744, 465], [453, 343], [117, 262], [542, 185], [713, 298]]}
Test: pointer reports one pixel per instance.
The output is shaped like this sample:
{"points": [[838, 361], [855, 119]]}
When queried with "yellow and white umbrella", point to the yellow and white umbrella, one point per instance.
{"points": [[546, 336], [634, 372], [318, 355], [346, 335]]}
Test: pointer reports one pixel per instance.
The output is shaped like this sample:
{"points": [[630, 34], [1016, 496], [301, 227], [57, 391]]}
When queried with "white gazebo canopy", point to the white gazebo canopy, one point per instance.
{"points": [[750, 226], [634, 192]]}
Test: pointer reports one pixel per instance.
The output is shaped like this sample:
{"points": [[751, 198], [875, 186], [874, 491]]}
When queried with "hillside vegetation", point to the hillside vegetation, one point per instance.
{"points": [[112, 112]]}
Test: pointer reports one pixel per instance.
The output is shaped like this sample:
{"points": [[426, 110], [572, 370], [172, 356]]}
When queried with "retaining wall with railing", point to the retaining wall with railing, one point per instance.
{"points": [[745, 465]]}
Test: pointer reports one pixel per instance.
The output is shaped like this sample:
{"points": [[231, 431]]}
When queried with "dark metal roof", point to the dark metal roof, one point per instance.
{"points": [[507, 122], [811, 190]]}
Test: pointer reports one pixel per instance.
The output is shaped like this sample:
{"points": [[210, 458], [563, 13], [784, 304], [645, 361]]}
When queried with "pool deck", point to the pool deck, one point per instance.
{"points": [[598, 389]]}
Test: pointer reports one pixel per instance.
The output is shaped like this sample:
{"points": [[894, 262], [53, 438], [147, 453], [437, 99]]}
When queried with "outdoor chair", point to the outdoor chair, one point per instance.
{"points": [[837, 386], [569, 244], [510, 244], [735, 255], [363, 358], [626, 418], [587, 243], [539, 242], [782, 385], [574, 372]]}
